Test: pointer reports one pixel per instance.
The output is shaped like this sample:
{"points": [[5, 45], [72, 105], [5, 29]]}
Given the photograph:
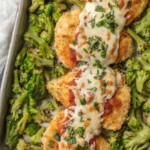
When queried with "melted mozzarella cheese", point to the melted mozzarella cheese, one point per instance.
{"points": [[96, 23], [94, 85]]}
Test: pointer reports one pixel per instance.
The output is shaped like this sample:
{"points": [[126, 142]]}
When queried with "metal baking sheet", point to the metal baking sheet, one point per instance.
{"points": [[15, 45]]}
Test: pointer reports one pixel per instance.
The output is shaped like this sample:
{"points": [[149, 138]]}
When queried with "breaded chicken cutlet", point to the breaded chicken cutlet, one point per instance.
{"points": [[59, 89], [66, 28], [55, 125]]}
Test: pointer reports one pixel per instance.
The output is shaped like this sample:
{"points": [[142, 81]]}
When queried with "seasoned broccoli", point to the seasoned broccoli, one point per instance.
{"points": [[24, 120], [146, 106], [32, 129], [79, 3], [141, 44], [142, 77], [144, 59], [137, 139], [18, 104], [55, 105], [36, 139], [133, 64], [16, 86], [115, 140], [133, 122], [35, 5], [48, 106], [45, 49], [130, 77], [142, 27], [20, 57], [36, 86], [22, 145], [137, 99], [12, 136]]}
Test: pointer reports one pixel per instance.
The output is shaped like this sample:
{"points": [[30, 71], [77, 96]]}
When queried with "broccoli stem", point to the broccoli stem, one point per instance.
{"points": [[35, 5], [20, 57], [16, 86], [142, 76], [18, 104], [22, 123]]}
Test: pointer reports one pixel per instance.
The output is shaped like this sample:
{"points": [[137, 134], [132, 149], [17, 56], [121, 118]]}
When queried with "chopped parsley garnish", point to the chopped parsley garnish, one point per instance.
{"points": [[56, 136], [79, 147], [99, 76], [71, 140], [89, 81], [74, 42], [115, 4], [104, 84], [96, 105], [99, 9], [85, 50], [80, 131], [94, 89], [98, 64], [81, 63], [92, 21], [83, 101], [51, 144], [108, 22], [70, 130]]}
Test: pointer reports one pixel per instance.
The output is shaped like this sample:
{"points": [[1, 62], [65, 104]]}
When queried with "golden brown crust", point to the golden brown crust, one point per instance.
{"points": [[135, 10], [58, 88], [125, 46], [54, 125], [64, 35], [117, 117]]}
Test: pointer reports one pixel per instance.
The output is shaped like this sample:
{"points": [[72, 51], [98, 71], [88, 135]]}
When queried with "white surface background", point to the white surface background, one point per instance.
{"points": [[8, 9]]}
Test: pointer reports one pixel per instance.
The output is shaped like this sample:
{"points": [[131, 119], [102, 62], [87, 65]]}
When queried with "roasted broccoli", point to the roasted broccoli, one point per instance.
{"points": [[142, 27], [36, 86], [20, 57], [24, 119], [137, 99], [130, 77], [144, 59], [12, 136], [133, 122], [18, 104], [35, 5], [36, 139], [115, 140], [136, 139], [133, 64], [32, 129], [44, 48], [146, 106], [16, 85], [79, 3], [141, 43], [22, 145], [142, 77]]}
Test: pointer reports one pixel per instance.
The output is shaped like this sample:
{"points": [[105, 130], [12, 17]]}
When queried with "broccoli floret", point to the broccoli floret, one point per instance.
{"points": [[58, 71], [141, 44], [35, 4], [32, 129], [133, 64], [55, 105], [36, 86], [79, 3], [20, 57], [36, 139], [142, 77], [56, 15], [48, 106], [146, 106], [22, 145], [115, 140], [45, 49], [139, 139], [130, 77], [145, 60], [24, 120], [133, 122], [12, 136], [137, 99], [142, 27], [16, 86], [18, 104]]}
